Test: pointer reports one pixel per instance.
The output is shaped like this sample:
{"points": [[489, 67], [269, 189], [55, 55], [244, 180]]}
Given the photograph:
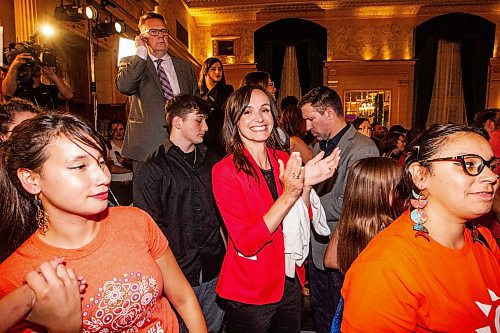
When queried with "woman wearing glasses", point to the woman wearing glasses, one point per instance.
{"points": [[215, 91], [430, 271]]}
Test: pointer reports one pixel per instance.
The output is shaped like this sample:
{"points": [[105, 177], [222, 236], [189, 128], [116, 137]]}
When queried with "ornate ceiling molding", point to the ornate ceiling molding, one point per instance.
{"points": [[209, 12]]}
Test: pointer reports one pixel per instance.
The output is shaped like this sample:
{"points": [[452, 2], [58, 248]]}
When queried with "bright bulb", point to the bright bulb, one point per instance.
{"points": [[91, 12], [47, 30], [119, 27]]}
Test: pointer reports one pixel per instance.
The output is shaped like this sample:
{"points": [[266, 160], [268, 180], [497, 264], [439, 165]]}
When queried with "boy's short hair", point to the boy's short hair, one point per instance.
{"points": [[183, 104]]}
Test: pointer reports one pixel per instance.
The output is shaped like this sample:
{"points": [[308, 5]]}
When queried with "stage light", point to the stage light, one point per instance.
{"points": [[74, 13], [106, 29], [47, 30], [91, 12], [70, 13], [119, 27]]}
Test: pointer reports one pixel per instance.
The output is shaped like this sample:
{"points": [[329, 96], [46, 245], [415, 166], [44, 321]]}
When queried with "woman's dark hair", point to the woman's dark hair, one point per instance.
{"points": [[371, 203], [28, 149], [256, 78], [288, 101], [291, 121], [110, 126], [235, 106], [204, 71], [358, 121], [427, 146], [10, 108], [389, 142]]}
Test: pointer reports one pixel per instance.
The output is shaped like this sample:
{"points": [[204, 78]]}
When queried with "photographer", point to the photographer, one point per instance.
{"points": [[23, 80]]}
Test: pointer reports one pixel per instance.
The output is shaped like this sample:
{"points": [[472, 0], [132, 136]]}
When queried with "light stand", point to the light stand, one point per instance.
{"points": [[93, 86]]}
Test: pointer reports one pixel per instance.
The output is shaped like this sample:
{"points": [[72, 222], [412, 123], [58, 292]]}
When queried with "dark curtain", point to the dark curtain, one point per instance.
{"points": [[425, 69], [475, 61], [309, 40], [476, 36]]}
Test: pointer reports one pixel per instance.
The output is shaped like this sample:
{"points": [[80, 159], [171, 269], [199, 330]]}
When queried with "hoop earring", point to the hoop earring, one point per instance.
{"points": [[417, 215], [42, 219]]}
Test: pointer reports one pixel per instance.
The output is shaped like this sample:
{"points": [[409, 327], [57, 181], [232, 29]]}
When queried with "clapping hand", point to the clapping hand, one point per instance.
{"points": [[319, 169], [57, 305], [292, 176]]}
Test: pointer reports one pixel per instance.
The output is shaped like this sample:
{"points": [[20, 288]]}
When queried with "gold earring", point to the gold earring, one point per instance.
{"points": [[42, 218]]}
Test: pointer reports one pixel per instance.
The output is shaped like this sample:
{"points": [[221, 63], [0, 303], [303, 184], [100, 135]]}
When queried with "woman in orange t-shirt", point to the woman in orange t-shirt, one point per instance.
{"points": [[427, 271], [53, 176]]}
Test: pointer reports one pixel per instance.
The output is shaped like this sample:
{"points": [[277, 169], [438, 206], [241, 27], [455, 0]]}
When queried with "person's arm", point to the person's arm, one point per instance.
{"points": [[131, 69], [9, 83], [51, 298], [331, 258], [194, 82], [15, 306], [147, 189], [113, 168], [296, 144], [180, 293], [64, 91]]}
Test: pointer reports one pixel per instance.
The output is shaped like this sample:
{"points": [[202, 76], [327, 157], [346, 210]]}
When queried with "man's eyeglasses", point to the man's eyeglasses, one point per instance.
{"points": [[472, 164], [157, 32]]}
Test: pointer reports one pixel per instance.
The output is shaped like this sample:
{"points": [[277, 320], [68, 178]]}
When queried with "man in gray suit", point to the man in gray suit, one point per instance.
{"points": [[151, 77], [323, 112]]}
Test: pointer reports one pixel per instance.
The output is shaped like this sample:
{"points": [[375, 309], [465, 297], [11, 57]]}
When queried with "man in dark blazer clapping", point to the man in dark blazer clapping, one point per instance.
{"points": [[150, 78]]}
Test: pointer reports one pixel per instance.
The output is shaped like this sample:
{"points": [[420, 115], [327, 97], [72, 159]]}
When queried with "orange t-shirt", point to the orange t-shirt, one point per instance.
{"points": [[400, 283], [125, 285]]}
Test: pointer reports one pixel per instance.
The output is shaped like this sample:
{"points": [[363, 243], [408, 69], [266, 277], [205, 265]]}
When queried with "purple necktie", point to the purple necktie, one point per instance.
{"points": [[165, 83]]}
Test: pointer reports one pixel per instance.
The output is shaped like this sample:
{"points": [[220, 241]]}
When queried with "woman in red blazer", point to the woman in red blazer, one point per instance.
{"points": [[254, 192]]}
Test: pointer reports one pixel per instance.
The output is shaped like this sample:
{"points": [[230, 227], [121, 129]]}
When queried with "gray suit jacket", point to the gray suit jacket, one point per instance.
{"points": [[139, 79], [353, 146]]}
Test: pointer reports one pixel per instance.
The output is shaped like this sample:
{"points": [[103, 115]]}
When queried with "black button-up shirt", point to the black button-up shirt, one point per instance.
{"points": [[178, 196]]}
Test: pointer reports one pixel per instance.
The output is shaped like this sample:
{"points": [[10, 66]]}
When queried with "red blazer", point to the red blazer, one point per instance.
{"points": [[253, 270]]}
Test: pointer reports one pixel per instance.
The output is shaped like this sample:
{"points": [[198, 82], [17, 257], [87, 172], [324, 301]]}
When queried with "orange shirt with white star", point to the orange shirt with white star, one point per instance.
{"points": [[403, 283]]}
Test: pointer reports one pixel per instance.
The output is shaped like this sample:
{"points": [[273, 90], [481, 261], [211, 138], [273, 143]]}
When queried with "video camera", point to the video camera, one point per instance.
{"points": [[41, 57]]}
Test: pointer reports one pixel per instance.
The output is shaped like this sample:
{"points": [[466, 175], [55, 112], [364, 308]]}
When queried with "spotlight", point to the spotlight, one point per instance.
{"points": [[74, 13], [106, 29], [47, 30], [91, 12], [119, 27], [70, 13]]}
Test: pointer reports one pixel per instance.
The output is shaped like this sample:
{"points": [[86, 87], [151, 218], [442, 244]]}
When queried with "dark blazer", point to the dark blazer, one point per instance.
{"points": [[353, 147], [139, 79]]}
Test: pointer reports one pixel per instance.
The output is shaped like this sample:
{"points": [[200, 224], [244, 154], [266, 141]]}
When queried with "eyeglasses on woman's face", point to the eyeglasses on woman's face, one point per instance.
{"points": [[472, 164]]}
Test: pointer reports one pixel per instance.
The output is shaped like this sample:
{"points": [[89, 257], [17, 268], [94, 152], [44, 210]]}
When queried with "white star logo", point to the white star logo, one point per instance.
{"points": [[486, 309]]}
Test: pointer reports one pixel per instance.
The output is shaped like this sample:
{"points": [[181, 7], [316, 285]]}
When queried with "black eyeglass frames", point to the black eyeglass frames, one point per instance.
{"points": [[472, 164], [156, 32]]}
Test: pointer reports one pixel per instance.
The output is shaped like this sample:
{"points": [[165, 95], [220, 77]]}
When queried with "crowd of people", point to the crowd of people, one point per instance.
{"points": [[211, 208]]}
